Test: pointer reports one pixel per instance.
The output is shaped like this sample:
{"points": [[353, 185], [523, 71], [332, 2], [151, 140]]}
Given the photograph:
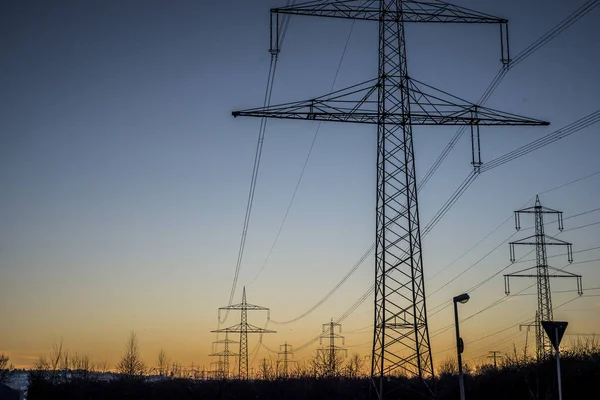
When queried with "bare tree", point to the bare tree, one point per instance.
{"points": [[448, 366], [265, 369], [131, 364], [162, 362], [81, 366], [101, 367], [323, 364], [5, 367], [49, 366], [177, 370], [300, 370], [355, 365]]}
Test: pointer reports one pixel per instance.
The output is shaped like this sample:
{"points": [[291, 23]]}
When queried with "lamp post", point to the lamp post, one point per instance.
{"points": [[463, 298]]}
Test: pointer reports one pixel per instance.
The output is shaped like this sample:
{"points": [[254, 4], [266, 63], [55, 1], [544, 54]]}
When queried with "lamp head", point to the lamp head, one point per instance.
{"points": [[463, 298]]}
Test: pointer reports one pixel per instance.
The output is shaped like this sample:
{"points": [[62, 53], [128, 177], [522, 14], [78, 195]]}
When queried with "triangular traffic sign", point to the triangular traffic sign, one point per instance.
{"points": [[555, 331]]}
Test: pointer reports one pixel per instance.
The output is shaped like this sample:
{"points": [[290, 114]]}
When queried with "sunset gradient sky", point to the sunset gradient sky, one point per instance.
{"points": [[124, 177]]}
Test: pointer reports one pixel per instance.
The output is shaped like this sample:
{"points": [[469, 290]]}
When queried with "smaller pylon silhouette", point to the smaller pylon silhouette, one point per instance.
{"points": [[244, 328], [495, 354], [541, 240], [224, 355], [216, 369], [284, 358], [534, 324], [331, 351]]}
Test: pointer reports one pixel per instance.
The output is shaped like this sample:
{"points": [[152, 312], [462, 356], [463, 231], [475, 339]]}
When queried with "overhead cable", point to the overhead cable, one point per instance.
{"points": [[528, 51]]}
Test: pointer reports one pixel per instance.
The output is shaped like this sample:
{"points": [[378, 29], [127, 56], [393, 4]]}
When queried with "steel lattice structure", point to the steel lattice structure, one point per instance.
{"points": [[224, 355], [244, 328], [540, 240], [331, 351], [394, 102], [285, 350]]}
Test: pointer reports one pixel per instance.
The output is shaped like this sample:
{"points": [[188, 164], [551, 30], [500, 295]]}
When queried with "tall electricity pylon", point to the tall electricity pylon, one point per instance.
{"points": [[225, 354], [540, 240], [394, 102], [330, 351], [244, 328], [285, 357]]}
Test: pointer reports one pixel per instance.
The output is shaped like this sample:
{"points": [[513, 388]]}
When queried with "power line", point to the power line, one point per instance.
{"points": [[257, 156], [471, 248], [442, 305], [471, 177], [517, 261], [561, 133], [445, 208], [312, 144], [552, 33], [558, 291], [562, 254], [255, 169], [528, 51], [332, 291], [472, 265], [495, 303], [569, 183]]}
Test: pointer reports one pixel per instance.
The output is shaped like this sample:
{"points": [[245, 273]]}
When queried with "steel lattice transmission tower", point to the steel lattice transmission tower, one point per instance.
{"points": [[244, 328], [285, 358], [394, 102], [224, 355], [330, 351], [535, 323], [542, 270]]}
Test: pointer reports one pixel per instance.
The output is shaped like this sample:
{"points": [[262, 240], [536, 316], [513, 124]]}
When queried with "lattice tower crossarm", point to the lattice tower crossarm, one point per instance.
{"points": [[542, 270], [394, 102], [244, 328]]}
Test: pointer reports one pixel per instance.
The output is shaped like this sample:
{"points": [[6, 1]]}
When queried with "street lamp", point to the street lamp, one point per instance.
{"points": [[463, 298]]}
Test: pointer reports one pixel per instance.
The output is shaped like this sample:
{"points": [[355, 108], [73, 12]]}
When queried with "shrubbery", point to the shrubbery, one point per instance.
{"points": [[516, 378]]}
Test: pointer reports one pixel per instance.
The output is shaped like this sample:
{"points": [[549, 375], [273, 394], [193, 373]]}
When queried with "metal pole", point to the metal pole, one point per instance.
{"points": [[558, 367], [461, 383]]}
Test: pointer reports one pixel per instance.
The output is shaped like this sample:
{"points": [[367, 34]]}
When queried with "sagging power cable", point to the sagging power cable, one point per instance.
{"points": [[257, 157], [528, 51]]}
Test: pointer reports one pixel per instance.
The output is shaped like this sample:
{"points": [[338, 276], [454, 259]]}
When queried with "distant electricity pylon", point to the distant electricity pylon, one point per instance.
{"points": [[540, 240], [225, 354], [216, 369], [495, 354], [535, 323], [394, 102], [284, 358], [244, 328], [331, 351]]}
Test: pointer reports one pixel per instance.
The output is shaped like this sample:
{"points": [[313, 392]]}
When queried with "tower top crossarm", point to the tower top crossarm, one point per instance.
{"points": [[238, 328], [412, 11], [245, 306], [538, 208]]}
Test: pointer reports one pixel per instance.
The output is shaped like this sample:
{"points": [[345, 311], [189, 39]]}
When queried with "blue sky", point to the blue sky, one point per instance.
{"points": [[124, 176]]}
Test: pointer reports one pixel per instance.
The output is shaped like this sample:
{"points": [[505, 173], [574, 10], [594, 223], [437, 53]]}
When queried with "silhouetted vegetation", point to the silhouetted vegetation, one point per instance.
{"points": [[517, 377], [5, 367], [131, 364]]}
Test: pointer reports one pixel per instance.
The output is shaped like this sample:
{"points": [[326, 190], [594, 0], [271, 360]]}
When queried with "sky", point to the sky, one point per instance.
{"points": [[124, 177]]}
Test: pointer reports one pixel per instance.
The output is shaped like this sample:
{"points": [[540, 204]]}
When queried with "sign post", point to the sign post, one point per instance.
{"points": [[555, 331]]}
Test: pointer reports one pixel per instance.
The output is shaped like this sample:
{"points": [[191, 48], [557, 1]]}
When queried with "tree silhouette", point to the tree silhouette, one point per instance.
{"points": [[5, 367], [131, 364], [162, 362]]}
